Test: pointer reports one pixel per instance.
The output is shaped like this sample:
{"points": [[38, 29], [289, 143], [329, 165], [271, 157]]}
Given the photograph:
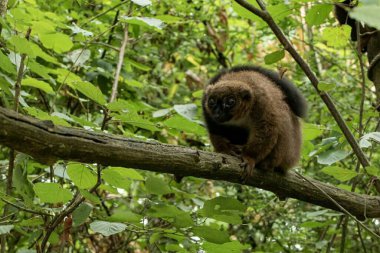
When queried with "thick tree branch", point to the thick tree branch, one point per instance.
{"points": [[265, 16], [48, 143]]}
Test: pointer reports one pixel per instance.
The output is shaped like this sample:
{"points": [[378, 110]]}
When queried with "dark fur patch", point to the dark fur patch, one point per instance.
{"points": [[236, 135], [293, 96]]}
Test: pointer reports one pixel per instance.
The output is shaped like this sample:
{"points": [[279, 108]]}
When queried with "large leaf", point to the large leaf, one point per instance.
{"points": [[337, 37], [81, 175], [183, 124], [59, 42], [189, 111], [6, 64], [332, 156], [107, 228], [274, 57], [120, 177], [81, 213], [224, 209], [367, 14], [90, 91], [32, 82], [339, 173], [211, 234], [156, 185], [52, 193], [318, 14]]}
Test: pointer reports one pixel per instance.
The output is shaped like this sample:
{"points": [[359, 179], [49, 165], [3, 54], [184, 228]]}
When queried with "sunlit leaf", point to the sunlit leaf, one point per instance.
{"points": [[337, 37], [81, 175], [59, 42], [32, 82], [52, 193], [339, 173], [211, 234], [367, 14], [317, 14]]}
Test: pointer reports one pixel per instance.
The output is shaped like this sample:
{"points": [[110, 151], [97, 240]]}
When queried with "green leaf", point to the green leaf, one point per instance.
{"points": [[133, 83], [169, 19], [318, 14], [373, 170], [45, 116], [20, 178], [211, 234], [90, 91], [39, 69], [59, 42], [230, 247], [325, 86], [125, 216], [339, 173], [189, 111], [120, 177], [145, 22], [125, 172], [156, 185], [5, 229], [367, 14], [332, 156], [165, 211], [183, 124], [337, 37], [6, 64], [32, 82], [134, 119], [274, 57], [244, 13], [22, 45], [279, 11], [223, 209], [32, 222], [137, 64], [52, 193], [107, 228], [81, 213], [81, 175]]}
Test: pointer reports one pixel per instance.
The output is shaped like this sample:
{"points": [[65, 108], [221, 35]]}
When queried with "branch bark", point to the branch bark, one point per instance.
{"points": [[47, 143]]}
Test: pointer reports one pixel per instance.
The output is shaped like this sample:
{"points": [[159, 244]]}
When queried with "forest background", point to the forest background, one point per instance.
{"points": [[137, 69]]}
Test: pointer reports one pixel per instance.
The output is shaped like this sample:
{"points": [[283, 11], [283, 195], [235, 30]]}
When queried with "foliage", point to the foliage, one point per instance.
{"points": [[173, 48]]}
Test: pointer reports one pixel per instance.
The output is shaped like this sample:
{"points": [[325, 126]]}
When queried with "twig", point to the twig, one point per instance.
{"points": [[361, 238], [115, 20], [25, 209], [344, 234], [121, 59], [331, 242], [263, 14]]}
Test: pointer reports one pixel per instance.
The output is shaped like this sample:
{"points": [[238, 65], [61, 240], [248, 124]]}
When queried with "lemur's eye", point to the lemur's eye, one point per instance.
{"points": [[211, 102], [229, 102]]}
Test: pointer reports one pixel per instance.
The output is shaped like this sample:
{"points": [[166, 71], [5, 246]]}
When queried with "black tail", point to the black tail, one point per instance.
{"points": [[293, 96]]}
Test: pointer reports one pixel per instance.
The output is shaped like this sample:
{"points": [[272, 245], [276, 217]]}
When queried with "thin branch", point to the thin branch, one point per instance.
{"points": [[265, 16], [24, 208], [121, 59]]}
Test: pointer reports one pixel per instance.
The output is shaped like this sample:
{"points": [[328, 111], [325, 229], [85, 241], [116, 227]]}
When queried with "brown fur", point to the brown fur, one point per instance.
{"points": [[274, 134]]}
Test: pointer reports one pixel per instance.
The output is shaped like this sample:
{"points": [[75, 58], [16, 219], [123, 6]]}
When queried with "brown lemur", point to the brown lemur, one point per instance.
{"points": [[252, 112]]}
